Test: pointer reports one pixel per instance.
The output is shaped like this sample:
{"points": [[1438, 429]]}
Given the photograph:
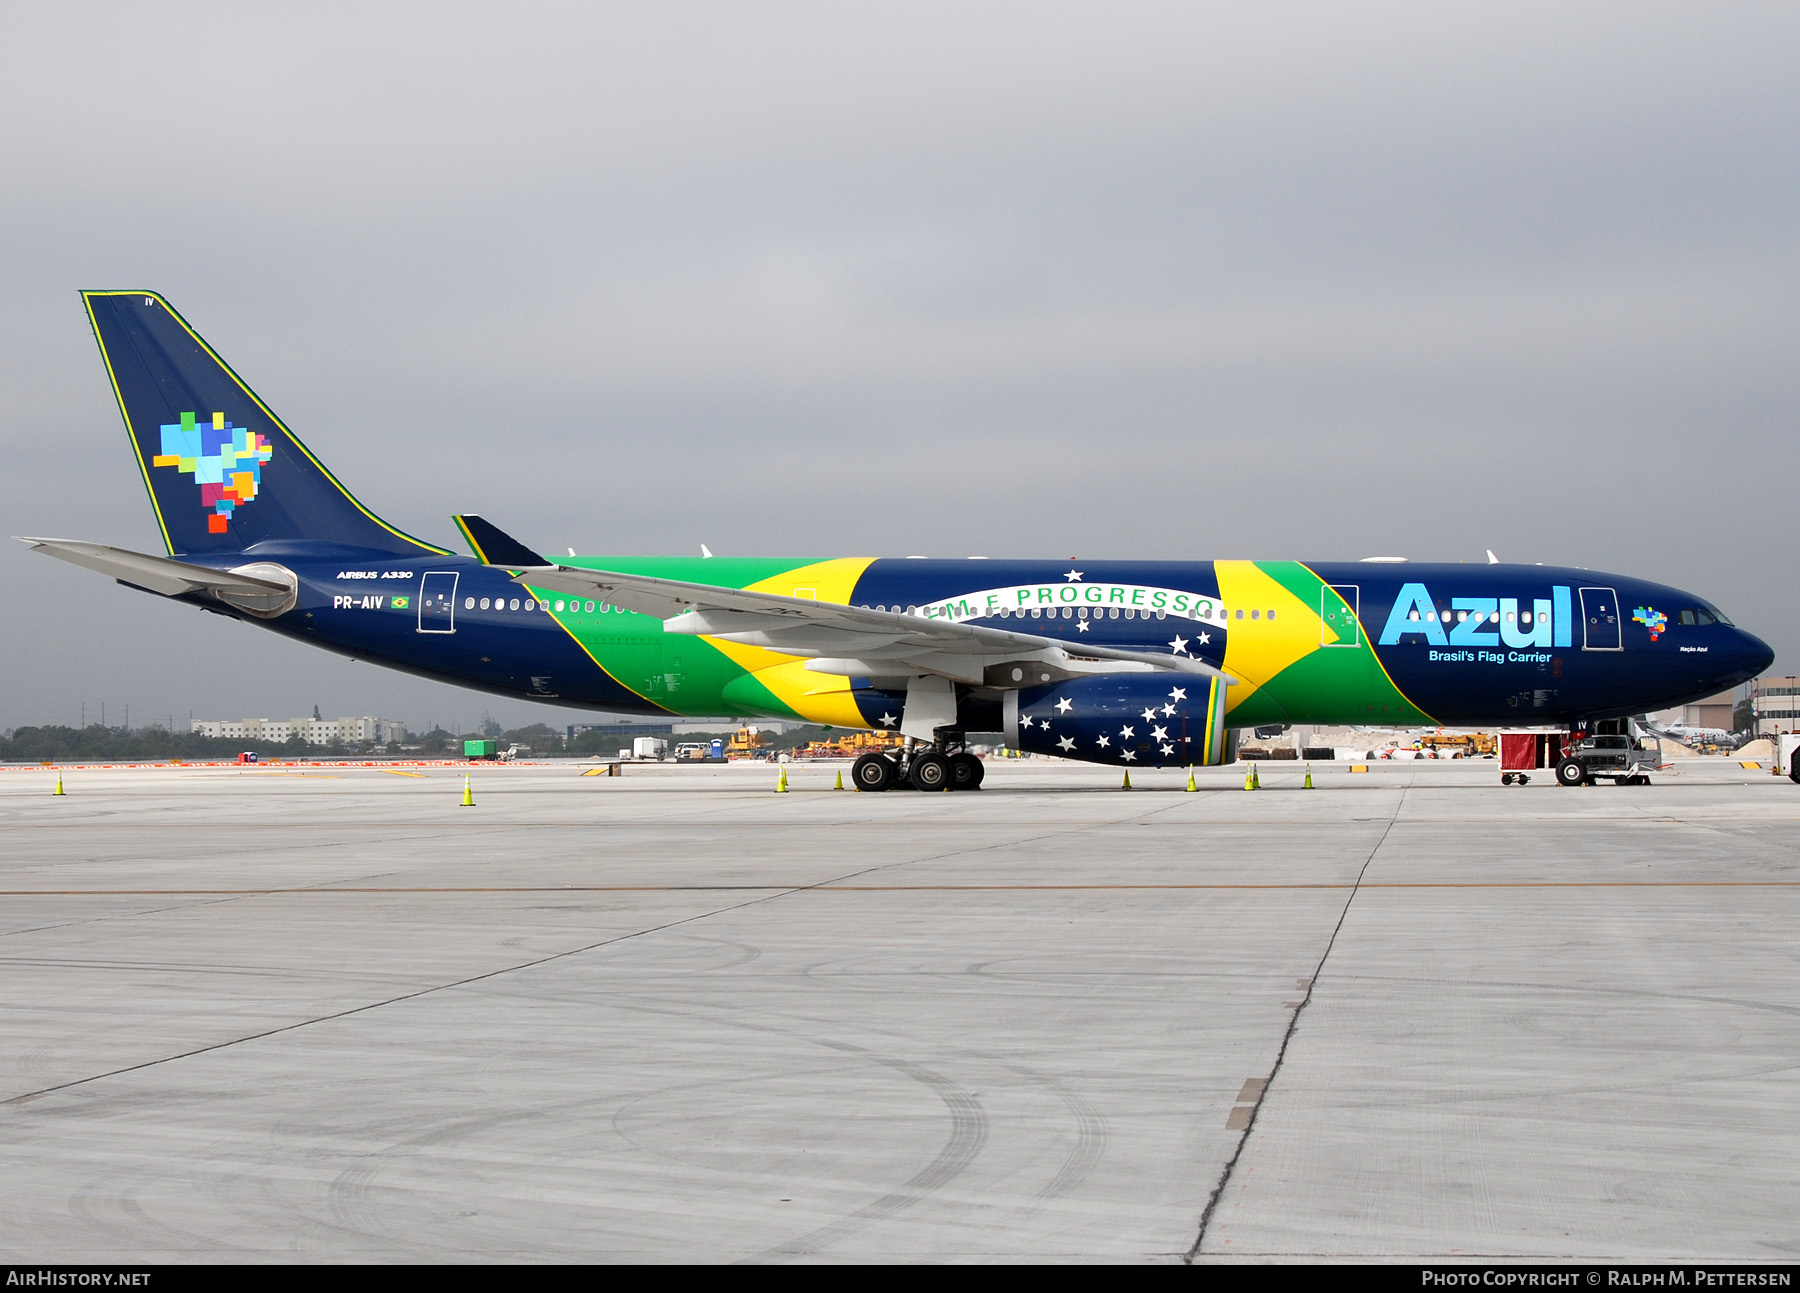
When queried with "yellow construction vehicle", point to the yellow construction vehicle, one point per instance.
{"points": [[745, 743], [851, 745], [1468, 745]]}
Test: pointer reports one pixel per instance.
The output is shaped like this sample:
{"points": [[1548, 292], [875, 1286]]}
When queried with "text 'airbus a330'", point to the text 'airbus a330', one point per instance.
{"points": [[1125, 663]]}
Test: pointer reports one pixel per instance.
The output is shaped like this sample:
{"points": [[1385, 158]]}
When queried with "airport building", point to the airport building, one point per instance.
{"points": [[627, 729], [1776, 704], [366, 730]]}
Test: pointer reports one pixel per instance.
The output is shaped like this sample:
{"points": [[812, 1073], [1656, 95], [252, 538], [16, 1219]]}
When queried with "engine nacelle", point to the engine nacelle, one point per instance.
{"points": [[1146, 719]]}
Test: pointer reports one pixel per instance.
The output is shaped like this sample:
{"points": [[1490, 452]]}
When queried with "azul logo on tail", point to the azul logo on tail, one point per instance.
{"points": [[224, 460], [1482, 621]]}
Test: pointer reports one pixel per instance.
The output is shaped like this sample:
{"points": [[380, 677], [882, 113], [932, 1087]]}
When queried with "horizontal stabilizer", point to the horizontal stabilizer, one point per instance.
{"points": [[158, 574], [495, 547]]}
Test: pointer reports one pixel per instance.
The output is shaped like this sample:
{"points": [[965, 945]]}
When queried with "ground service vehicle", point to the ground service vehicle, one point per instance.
{"points": [[1621, 757], [1787, 749]]}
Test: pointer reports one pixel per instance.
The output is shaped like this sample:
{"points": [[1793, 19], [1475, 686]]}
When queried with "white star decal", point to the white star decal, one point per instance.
{"points": [[1066, 742], [1205, 638], [1179, 693], [887, 720], [1127, 732], [1081, 627], [1149, 715], [1179, 644], [1024, 722], [1073, 576], [1102, 742], [1168, 711], [1128, 755], [1064, 705], [1168, 750], [1159, 734]]}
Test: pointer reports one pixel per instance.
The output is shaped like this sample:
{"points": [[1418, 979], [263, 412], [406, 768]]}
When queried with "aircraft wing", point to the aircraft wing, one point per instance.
{"points": [[836, 639], [162, 575]]}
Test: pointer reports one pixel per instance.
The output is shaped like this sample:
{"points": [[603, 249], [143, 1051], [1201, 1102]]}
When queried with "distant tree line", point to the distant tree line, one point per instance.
{"points": [[98, 744]]}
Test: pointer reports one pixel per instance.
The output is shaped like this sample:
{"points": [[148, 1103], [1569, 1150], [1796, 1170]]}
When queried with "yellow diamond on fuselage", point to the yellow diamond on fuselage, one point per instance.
{"points": [[818, 697]]}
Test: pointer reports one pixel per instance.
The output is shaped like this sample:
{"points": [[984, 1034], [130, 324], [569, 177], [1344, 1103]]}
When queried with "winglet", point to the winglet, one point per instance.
{"points": [[495, 547]]}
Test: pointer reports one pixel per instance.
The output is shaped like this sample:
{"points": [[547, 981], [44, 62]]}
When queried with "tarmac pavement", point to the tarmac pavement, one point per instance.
{"points": [[327, 1014]]}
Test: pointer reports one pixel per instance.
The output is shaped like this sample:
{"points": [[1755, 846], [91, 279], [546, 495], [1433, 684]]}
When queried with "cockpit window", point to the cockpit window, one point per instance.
{"points": [[1719, 615], [1700, 615]]}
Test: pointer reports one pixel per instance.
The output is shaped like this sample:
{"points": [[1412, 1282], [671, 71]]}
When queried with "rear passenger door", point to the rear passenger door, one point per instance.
{"points": [[437, 602]]}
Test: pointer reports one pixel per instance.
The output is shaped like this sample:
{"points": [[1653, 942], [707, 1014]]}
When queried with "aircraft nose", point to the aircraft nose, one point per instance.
{"points": [[1753, 655]]}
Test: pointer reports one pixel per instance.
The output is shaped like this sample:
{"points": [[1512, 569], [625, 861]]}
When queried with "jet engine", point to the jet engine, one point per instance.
{"points": [[1146, 719]]}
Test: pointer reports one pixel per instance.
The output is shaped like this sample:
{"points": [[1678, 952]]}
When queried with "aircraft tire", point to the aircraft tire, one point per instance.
{"points": [[966, 771], [873, 772], [1794, 767], [930, 771], [1570, 772]]}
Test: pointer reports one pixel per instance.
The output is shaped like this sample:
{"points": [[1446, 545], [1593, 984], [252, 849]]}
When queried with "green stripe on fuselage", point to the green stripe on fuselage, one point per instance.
{"points": [[675, 671], [1334, 684]]}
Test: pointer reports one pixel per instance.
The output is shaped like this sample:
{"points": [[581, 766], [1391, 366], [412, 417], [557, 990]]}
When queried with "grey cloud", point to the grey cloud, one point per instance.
{"points": [[1159, 280]]}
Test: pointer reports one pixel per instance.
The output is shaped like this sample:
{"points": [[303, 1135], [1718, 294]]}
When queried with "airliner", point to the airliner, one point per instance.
{"points": [[1688, 734], [1114, 662]]}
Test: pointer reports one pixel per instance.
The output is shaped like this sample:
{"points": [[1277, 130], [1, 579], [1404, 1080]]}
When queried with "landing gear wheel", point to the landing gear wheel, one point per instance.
{"points": [[966, 771], [1570, 772], [1794, 767], [930, 771], [873, 772]]}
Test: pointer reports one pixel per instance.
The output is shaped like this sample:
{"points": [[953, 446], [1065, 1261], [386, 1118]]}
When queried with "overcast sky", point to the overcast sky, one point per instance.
{"points": [[1309, 281]]}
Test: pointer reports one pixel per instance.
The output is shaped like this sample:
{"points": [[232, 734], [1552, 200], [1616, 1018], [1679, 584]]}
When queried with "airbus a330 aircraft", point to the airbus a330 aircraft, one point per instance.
{"points": [[1114, 662]]}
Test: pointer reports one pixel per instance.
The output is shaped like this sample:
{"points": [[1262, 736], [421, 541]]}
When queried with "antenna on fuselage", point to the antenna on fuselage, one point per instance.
{"points": [[1492, 559]]}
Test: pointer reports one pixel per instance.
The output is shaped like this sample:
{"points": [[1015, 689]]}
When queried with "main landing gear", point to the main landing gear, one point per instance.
{"points": [[924, 767]]}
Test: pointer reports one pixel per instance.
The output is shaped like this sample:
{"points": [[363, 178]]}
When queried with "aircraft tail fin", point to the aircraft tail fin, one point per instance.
{"points": [[224, 473]]}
